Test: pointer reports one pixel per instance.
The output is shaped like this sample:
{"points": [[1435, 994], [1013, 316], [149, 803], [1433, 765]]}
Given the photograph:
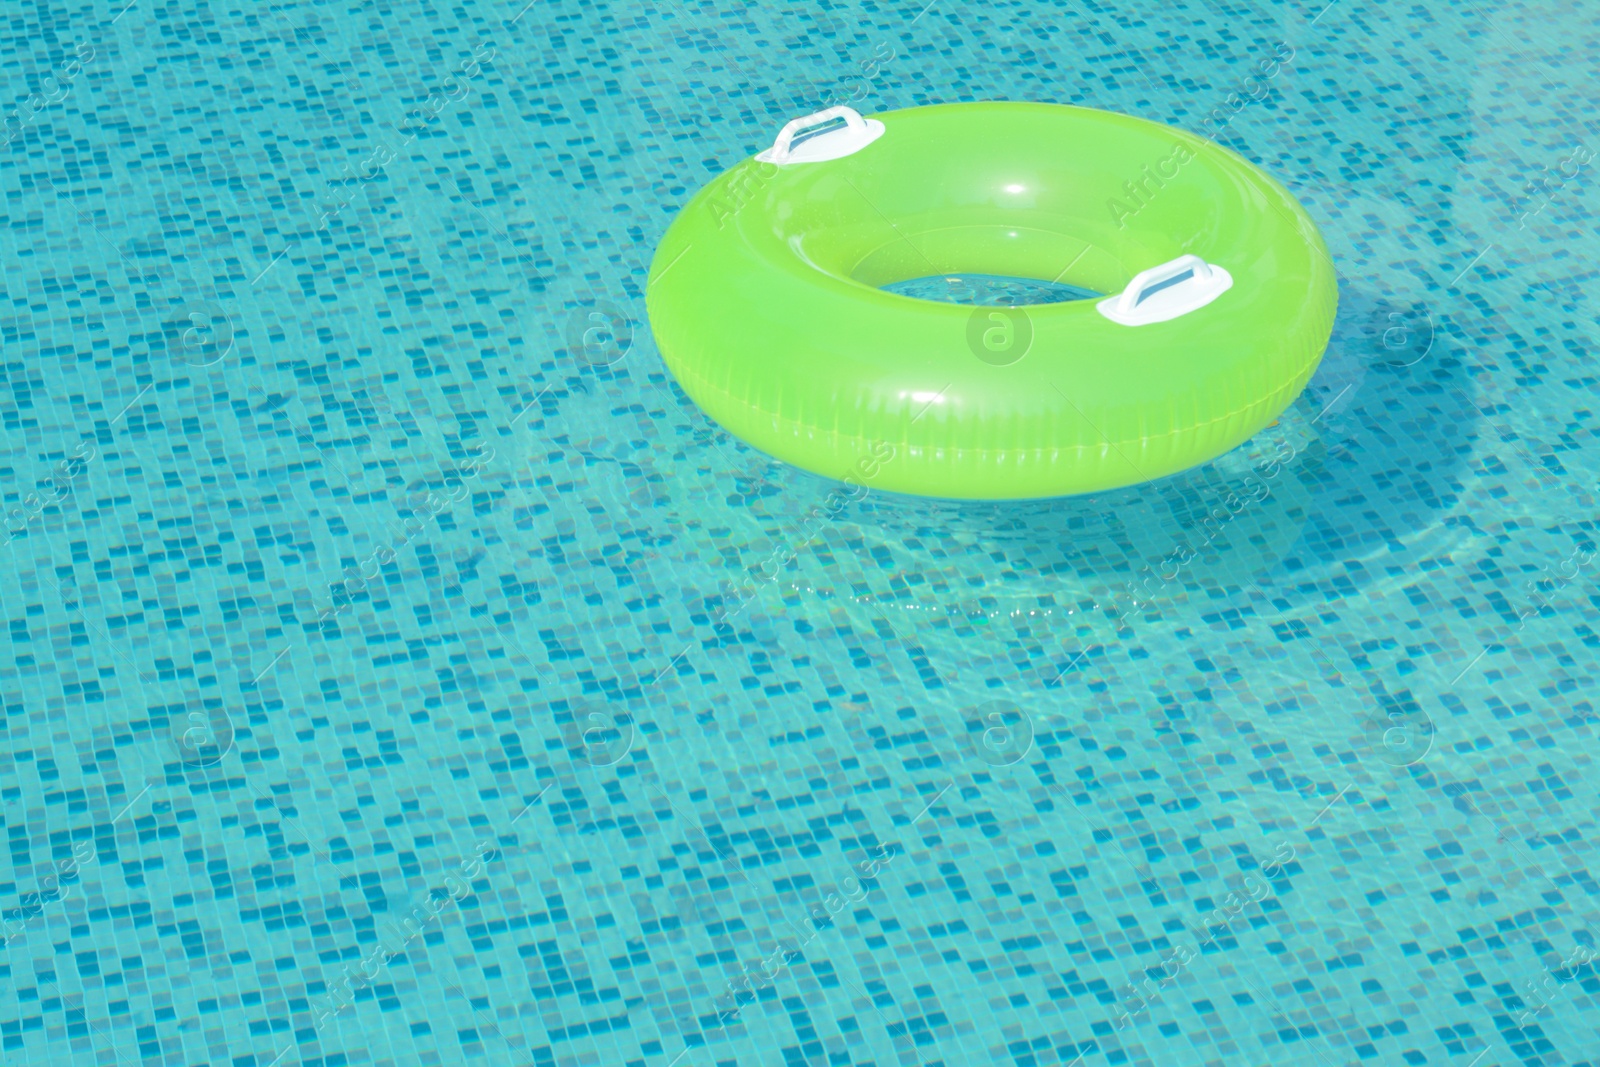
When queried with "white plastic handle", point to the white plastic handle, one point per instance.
{"points": [[1164, 292], [853, 136]]}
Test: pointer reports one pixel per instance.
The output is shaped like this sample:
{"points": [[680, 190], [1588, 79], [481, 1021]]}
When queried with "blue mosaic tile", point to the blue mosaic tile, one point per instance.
{"points": [[397, 673]]}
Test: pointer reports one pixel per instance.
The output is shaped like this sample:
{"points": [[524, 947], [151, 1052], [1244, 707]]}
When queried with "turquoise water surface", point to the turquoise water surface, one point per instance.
{"points": [[402, 670]]}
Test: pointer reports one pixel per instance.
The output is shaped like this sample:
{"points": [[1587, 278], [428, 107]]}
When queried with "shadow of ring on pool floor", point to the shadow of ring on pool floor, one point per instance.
{"points": [[1357, 470]]}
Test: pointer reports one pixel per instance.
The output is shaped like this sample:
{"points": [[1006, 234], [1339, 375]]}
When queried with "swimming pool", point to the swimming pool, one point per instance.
{"points": [[402, 670]]}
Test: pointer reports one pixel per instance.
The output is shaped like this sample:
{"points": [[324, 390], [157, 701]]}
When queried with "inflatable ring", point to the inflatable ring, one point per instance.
{"points": [[766, 299]]}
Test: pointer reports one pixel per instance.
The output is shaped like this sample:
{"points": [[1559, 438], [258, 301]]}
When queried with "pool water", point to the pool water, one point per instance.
{"points": [[402, 670], [989, 290]]}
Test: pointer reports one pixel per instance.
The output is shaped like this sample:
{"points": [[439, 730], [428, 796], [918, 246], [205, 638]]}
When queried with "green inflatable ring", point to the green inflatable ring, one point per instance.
{"points": [[764, 298]]}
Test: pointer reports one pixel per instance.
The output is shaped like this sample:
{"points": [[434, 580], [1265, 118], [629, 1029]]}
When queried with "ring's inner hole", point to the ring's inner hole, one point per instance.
{"points": [[988, 290], [940, 258]]}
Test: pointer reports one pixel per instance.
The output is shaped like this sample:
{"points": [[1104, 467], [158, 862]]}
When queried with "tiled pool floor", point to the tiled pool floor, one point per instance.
{"points": [[388, 681]]}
